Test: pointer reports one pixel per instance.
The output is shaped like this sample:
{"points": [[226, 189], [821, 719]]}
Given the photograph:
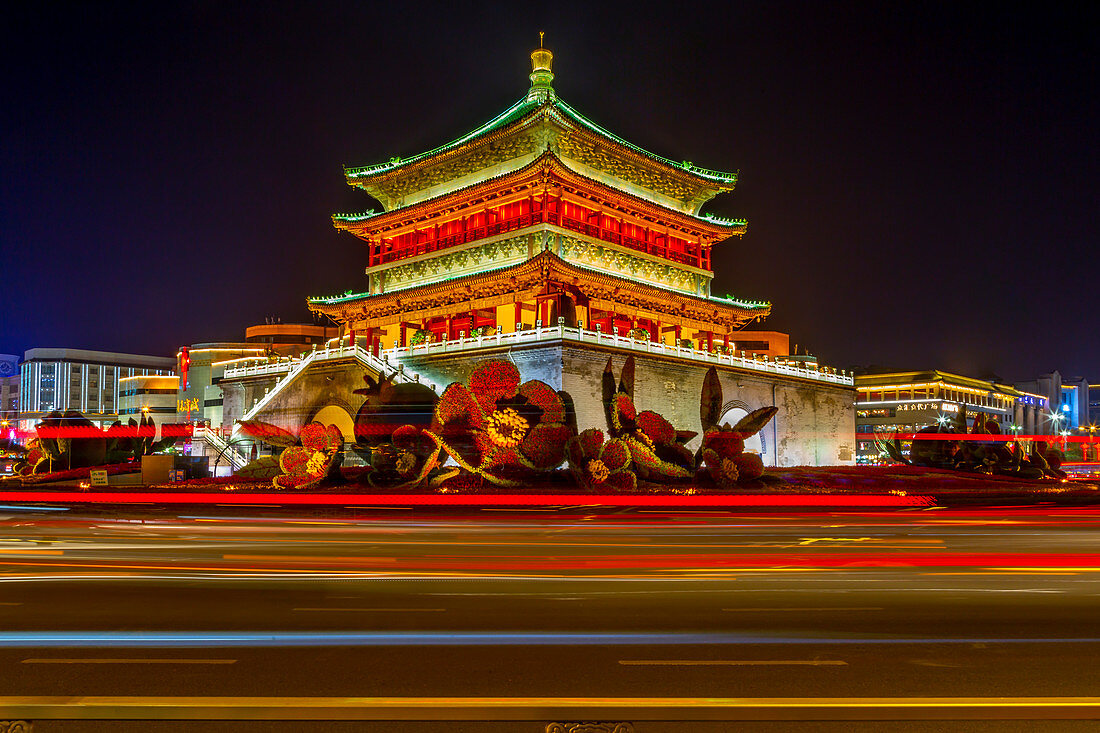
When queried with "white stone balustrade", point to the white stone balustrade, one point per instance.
{"points": [[584, 336]]}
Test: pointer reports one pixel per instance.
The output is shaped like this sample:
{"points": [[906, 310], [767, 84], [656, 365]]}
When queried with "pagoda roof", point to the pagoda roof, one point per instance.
{"points": [[547, 166], [546, 265], [523, 108], [532, 123]]}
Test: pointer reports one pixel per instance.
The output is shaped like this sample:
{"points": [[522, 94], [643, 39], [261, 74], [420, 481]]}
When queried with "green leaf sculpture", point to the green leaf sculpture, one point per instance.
{"points": [[268, 433], [261, 468], [710, 400], [755, 421]]}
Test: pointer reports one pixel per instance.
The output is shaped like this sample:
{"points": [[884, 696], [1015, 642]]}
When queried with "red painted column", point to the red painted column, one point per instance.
{"points": [[518, 312]]}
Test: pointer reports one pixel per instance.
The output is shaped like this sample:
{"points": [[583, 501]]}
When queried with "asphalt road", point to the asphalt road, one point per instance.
{"points": [[672, 621]]}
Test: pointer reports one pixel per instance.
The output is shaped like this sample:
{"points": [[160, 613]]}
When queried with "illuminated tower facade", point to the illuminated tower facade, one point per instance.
{"points": [[545, 239], [539, 215]]}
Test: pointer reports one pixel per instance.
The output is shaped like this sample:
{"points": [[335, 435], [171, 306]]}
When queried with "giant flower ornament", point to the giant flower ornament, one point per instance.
{"points": [[655, 446], [316, 459], [600, 465], [723, 449], [499, 428]]}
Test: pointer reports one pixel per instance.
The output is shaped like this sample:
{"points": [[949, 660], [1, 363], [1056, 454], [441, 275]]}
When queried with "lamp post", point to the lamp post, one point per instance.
{"points": [[1056, 418]]}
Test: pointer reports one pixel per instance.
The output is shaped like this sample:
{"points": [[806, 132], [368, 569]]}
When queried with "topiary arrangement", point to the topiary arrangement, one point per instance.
{"points": [[657, 449], [306, 460], [723, 450], [317, 458], [390, 433], [501, 430]]}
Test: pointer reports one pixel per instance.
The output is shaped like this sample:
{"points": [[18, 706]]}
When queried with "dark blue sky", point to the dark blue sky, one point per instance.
{"points": [[920, 180]]}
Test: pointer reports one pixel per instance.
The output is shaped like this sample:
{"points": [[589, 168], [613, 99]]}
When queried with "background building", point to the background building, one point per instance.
{"points": [[266, 354], [202, 366], [1068, 400], [290, 338], [907, 402], [153, 395], [78, 379], [1094, 404], [9, 394]]}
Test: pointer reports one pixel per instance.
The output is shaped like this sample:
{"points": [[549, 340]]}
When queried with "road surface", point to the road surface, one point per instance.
{"points": [[669, 620]]}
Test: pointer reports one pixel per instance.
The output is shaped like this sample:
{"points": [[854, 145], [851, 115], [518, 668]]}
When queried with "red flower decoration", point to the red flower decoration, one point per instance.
{"points": [[306, 465], [405, 461], [599, 465], [725, 458], [499, 428], [652, 440]]}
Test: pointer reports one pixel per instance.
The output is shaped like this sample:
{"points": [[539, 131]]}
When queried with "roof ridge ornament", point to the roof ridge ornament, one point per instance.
{"points": [[541, 75]]}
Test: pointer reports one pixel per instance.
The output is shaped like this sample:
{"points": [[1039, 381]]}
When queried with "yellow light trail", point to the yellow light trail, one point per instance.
{"points": [[60, 707]]}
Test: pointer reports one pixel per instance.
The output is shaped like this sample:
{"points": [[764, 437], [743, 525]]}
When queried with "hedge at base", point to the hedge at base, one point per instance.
{"points": [[932, 448], [68, 440]]}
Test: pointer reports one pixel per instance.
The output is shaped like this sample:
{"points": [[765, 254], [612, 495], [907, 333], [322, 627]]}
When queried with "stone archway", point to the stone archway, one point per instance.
{"points": [[338, 416], [733, 411]]}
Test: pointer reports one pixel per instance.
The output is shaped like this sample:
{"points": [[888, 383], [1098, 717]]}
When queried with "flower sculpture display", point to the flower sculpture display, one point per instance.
{"points": [[656, 447], [390, 433], [34, 460], [600, 465], [405, 462], [306, 465], [723, 450], [500, 429]]}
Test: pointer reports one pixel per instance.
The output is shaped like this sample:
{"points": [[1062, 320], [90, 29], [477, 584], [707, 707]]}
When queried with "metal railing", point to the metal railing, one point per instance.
{"points": [[219, 444]]}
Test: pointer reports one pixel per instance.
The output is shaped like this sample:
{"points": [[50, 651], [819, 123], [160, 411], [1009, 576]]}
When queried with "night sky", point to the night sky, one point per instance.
{"points": [[920, 180]]}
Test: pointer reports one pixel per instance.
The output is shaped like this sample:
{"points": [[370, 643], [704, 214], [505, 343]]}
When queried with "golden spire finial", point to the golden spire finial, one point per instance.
{"points": [[541, 75]]}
